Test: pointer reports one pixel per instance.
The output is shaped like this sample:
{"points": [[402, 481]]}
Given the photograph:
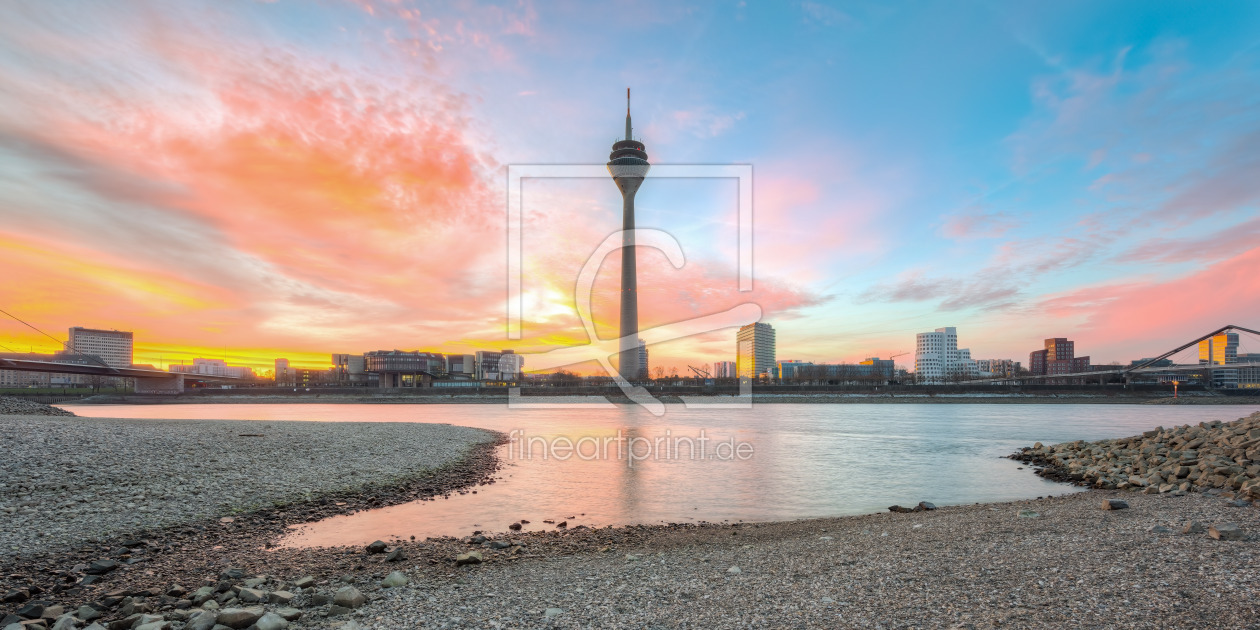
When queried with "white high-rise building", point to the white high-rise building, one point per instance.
{"points": [[723, 369], [112, 346], [754, 351], [937, 357]]}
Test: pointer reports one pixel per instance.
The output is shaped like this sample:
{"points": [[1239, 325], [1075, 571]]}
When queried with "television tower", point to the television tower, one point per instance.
{"points": [[628, 166]]}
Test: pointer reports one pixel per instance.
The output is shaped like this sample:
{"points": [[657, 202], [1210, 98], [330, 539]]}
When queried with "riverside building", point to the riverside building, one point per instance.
{"points": [[937, 357], [754, 351], [114, 347]]}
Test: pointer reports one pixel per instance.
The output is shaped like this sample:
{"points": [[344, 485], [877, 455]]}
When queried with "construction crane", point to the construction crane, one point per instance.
{"points": [[897, 355], [699, 372]]}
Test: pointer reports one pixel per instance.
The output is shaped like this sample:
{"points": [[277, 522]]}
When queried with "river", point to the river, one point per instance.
{"points": [[620, 466]]}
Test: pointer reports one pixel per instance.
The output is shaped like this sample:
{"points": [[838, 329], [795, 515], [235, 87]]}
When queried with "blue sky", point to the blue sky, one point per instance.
{"points": [[1016, 170]]}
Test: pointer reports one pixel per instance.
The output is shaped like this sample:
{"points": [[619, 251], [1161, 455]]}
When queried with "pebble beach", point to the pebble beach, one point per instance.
{"points": [[155, 524]]}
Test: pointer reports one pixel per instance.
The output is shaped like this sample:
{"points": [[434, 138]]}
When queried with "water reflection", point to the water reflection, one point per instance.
{"points": [[806, 461]]}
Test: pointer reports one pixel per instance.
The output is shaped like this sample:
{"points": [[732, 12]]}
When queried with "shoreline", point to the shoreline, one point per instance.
{"points": [[464, 399], [816, 559]]}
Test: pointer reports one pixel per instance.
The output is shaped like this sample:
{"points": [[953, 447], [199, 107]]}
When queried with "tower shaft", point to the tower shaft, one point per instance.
{"points": [[628, 166]]}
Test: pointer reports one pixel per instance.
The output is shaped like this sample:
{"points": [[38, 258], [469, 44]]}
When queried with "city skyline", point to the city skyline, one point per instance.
{"points": [[221, 181]]}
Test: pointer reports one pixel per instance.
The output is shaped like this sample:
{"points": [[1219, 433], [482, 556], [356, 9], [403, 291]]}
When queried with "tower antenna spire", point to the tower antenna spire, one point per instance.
{"points": [[628, 114]]}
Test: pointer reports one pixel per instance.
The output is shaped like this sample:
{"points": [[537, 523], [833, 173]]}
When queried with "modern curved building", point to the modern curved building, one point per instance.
{"points": [[628, 165]]}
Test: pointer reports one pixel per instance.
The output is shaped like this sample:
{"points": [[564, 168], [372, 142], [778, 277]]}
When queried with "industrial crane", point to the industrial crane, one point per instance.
{"points": [[699, 372]]}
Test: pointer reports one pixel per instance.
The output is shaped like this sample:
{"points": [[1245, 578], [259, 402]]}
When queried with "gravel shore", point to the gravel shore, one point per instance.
{"points": [[1072, 565], [67, 480]]}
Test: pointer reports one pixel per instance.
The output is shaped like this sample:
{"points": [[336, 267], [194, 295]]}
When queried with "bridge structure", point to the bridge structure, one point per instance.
{"points": [[148, 380], [1145, 367]]}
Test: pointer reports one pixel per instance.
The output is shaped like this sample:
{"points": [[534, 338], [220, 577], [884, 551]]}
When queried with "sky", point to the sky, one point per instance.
{"points": [[254, 180]]}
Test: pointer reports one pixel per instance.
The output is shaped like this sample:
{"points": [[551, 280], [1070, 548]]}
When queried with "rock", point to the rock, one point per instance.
{"points": [[304, 582], [562, 525], [734, 571], [254, 581], [160, 624], [1239, 503], [87, 613], [53, 612], [500, 544], [1158, 529], [251, 596], [279, 597], [349, 597], [516, 527], [631, 557], [395, 579], [1226, 531], [240, 618], [204, 620], [65, 622], [33, 610], [898, 508], [202, 594], [289, 614], [926, 506], [101, 567], [552, 612], [176, 591], [1193, 527], [472, 557], [1114, 504], [16, 596], [395, 556], [338, 611], [231, 574], [1028, 514], [376, 547], [271, 621]]}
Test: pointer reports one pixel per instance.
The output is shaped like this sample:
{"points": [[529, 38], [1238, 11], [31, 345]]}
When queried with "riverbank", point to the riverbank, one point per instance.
{"points": [[1072, 564], [1065, 398]]}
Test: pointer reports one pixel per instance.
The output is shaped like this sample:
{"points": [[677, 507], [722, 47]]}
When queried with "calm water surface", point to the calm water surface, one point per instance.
{"points": [[799, 461]]}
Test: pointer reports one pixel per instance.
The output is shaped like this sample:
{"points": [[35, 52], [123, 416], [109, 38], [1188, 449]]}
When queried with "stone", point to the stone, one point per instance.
{"points": [[376, 547], [33, 610], [1114, 504], [552, 612], [500, 544], [472, 557], [304, 582], [87, 613], [395, 579], [395, 556], [101, 567], [1028, 514], [338, 611], [203, 620], [16, 596], [65, 622], [926, 506], [254, 581], [271, 621], [1158, 529], [1239, 503], [279, 597], [53, 612], [349, 597], [516, 527], [160, 624], [251, 596], [734, 571], [176, 591], [202, 594], [289, 614], [231, 574], [1226, 531], [240, 618]]}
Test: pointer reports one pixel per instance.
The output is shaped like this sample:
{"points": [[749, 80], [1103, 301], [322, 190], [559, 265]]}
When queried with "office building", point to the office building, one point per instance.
{"points": [[872, 371], [461, 366], [644, 368], [212, 367], [1057, 357], [723, 369], [349, 369], [396, 368], [114, 347], [1220, 349], [504, 365], [937, 357], [283, 374], [754, 351], [998, 368]]}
